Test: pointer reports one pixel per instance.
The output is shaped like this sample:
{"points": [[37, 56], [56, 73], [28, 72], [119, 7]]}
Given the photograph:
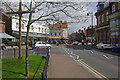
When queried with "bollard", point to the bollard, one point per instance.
{"points": [[14, 52]]}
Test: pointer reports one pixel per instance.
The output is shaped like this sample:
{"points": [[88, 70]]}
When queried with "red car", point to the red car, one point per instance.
{"points": [[69, 42]]}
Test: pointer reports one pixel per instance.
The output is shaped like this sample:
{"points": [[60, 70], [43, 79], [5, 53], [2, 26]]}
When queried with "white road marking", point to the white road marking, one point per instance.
{"points": [[91, 51], [105, 56]]}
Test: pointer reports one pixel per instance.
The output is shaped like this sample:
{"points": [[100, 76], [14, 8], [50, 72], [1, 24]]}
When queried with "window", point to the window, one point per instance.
{"points": [[103, 18], [98, 19], [39, 29], [17, 25], [42, 29], [55, 33], [59, 34], [106, 16], [32, 28], [113, 8], [45, 31], [119, 5], [22, 26]]}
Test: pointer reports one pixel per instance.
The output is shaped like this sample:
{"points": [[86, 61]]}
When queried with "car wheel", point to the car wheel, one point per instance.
{"points": [[102, 47], [49, 47]]}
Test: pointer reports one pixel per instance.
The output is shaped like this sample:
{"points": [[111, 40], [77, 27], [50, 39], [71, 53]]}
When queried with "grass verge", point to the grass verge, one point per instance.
{"points": [[13, 68]]}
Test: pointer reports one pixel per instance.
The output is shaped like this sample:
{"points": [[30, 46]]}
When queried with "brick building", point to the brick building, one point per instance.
{"points": [[104, 30], [61, 24], [89, 33]]}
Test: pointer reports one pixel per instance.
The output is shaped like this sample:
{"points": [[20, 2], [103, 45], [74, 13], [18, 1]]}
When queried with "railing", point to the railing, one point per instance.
{"points": [[45, 69]]}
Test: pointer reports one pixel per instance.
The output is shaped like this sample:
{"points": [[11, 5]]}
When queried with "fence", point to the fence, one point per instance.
{"points": [[14, 52], [45, 69]]}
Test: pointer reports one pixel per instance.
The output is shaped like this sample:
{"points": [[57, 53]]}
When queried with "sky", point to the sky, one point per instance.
{"points": [[75, 27]]}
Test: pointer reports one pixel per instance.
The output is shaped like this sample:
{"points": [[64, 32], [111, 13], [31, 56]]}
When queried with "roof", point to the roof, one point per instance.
{"points": [[4, 35]]}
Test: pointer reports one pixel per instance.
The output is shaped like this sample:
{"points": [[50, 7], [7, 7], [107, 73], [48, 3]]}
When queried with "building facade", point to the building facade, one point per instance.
{"points": [[38, 31], [103, 28], [105, 21], [58, 32], [115, 22]]}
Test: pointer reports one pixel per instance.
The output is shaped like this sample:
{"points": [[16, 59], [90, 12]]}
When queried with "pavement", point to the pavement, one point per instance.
{"points": [[62, 66]]}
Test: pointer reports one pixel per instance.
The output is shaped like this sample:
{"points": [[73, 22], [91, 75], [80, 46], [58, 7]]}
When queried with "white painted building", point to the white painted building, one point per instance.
{"points": [[37, 30]]}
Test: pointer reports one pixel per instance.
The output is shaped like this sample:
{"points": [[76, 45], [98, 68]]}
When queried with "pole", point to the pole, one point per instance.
{"points": [[92, 27]]}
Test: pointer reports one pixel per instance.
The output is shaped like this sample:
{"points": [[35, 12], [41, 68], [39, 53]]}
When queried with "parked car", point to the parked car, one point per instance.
{"points": [[69, 42], [42, 45], [116, 48], [75, 43], [2, 46], [104, 45]]}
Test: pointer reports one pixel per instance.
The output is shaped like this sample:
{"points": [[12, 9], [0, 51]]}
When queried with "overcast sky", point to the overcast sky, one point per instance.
{"points": [[75, 27]]}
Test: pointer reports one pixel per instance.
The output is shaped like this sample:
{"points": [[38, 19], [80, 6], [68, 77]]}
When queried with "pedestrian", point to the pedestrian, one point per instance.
{"points": [[57, 43], [82, 42]]}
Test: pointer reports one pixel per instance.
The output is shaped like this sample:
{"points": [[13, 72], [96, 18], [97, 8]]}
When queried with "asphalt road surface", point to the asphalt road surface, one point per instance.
{"points": [[103, 61]]}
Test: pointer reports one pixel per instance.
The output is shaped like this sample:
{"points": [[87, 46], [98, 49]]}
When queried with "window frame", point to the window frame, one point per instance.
{"points": [[98, 19], [113, 8], [102, 18], [107, 18]]}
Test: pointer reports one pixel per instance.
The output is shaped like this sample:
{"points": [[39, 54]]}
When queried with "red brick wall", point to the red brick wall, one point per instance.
{"points": [[100, 14], [61, 25], [8, 23]]}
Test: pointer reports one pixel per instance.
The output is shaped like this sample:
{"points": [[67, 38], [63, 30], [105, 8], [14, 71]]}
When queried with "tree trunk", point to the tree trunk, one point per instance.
{"points": [[20, 15], [27, 44], [27, 54]]}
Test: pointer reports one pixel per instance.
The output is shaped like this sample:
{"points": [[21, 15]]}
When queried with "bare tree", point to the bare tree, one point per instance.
{"points": [[72, 12]]}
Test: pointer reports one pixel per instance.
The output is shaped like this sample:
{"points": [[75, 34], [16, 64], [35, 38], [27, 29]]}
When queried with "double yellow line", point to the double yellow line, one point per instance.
{"points": [[94, 71]]}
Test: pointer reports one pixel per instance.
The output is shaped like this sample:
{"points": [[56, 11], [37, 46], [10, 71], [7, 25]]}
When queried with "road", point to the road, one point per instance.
{"points": [[103, 61]]}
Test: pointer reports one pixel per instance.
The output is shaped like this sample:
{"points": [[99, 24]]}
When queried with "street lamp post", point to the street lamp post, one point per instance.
{"points": [[91, 24]]}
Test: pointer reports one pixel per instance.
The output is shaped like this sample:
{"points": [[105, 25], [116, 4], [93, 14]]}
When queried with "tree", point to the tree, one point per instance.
{"points": [[49, 12]]}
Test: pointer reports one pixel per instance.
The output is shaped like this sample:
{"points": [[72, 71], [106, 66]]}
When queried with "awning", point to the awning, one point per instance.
{"points": [[4, 35], [31, 35]]}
